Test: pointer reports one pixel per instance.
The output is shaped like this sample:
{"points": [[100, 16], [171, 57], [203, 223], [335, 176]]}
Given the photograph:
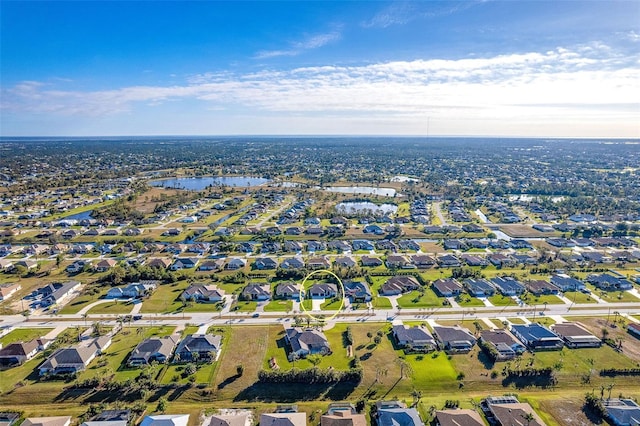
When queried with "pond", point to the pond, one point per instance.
{"points": [[79, 216], [369, 190], [200, 183], [358, 207]]}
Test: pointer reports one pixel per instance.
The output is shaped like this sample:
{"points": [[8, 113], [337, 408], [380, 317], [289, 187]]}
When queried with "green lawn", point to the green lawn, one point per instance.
{"points": [[117, 354], [468, 301], [381, 303], [279, 306], [276, 348], [23, 335], [618, 296], [500, 300], [415, 299], [244, 306], [550, 299], [332, 305], [81, 301], [165, 298], [431, 370], [516, 320], [112, 307], [579, 297]]}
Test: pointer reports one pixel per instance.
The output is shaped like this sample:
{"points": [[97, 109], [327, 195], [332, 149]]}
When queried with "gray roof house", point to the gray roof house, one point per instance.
{"points": [[537, 336], [322, 290], [306, 341], [575, 335], [69, 360], [198, 347], [447, 287], [454, 339], [398, 285], [18, 353], [357, 291], [288, 290], [203, 293], [256, 292], [506, 346], [395, 413], [158, 349], [417, 338]]}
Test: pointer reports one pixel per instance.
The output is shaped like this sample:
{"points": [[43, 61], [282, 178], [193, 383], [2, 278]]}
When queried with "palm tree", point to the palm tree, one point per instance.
{"points": [[528, 417]]}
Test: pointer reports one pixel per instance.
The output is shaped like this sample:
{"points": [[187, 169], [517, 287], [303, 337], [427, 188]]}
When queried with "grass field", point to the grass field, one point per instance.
{"points": [[279, 306], [165, 298], [415, 299], [111, 307], [23, 335]]}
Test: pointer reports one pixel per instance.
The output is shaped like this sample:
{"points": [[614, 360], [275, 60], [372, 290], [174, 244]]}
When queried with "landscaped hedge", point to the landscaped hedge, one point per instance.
{"points": [[489, 349], [310, 376], [612, 372]]}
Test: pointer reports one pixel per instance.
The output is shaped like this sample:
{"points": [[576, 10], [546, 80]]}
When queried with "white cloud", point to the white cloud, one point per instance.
{"points": [[573, 86], [298, 47]]}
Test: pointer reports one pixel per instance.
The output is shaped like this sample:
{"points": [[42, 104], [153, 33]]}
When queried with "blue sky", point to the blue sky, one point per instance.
{"points": [[483, 68]]}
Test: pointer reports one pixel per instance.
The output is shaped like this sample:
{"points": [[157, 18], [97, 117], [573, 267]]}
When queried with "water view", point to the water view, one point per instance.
{"points": [[368, 190], [366, 207], [200, 183]]}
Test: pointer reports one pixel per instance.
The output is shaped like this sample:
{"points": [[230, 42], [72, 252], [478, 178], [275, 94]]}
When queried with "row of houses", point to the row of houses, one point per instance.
{"points": [[507, 344]]}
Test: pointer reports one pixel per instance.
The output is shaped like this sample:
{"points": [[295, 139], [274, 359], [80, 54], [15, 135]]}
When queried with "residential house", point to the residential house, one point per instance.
{"points": [[479, 288], [367, 261], [395, 413], [343, 418], [184, 263], [423, 261], [458, 417], [362, 245], [203, 293], [166, 420], [566, 283], [104, 265], [306, 341], [500, 260], [257, 292], [634, 329], [288, 290], [398, 285], [473, 260], [47, 421], [313, 246], [293, 230], [283, 419], [622, 412], [454, 339], [344, 262], [537, 337], [608, 282], [323, 291], [292, 263], [339, 246], [60, 294], [448, 261], [160, 262], [575, 335], [396, 261], [232, 418], [292, 246], [198, 347], [505, 345], [154, 349], [373, 229], [538, 287], [18, 353], [508, 286], [386, 245], [8, 290], [502, 411], [265, 263], [357, 291], [408, 245], [447, 287], [235, 264], [414, 338], [70, 360], [134, 290], [212, 265]]}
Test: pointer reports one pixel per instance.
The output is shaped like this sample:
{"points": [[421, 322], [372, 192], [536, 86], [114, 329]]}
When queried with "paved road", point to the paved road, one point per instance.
{"points": [[435, 314], [438, 212]]}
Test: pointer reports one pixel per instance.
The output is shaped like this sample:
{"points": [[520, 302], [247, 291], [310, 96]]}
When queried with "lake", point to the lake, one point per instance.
{"points": [[79, 216], [351, 207], [368, 190], [200, 183]]}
